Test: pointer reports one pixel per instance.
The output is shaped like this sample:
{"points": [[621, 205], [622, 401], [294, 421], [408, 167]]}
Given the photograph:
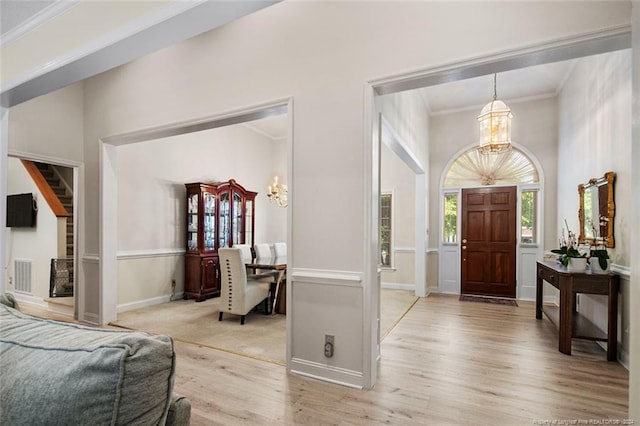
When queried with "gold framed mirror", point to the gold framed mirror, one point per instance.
{"points": [[596, 211]]}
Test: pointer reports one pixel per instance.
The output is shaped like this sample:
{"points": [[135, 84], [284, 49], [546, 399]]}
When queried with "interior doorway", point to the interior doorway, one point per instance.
{"points": [[488, 251], [45, 251], [110, 252]]}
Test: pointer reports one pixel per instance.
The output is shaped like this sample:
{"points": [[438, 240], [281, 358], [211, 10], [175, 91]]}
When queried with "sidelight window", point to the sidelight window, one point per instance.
{"points": [[528, 217], [450, 218]]}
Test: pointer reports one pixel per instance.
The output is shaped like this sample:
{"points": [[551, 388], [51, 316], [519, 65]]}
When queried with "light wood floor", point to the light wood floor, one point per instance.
{"points": [[446, 363]]}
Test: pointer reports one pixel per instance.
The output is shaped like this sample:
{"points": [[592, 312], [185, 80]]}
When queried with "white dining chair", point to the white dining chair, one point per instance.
{"points": [[247, 257], [239, 294], [263, 251], [245, 251], [280, 249]]}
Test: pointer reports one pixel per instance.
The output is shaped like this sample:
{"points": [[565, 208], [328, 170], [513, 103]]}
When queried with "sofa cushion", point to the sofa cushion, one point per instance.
{"points": [[62, 373], [9, 300]]}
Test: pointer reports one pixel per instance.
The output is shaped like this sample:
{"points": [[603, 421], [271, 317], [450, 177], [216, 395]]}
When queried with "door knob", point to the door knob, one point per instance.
{"points": [[464, 247], [464, 241]]}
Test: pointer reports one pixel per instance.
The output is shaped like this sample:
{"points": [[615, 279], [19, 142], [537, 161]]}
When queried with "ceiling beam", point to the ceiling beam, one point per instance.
{"points": [[196, 20]]}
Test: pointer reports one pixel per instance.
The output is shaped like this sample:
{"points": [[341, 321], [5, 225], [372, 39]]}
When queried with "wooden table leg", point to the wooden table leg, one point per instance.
{"points": [[276, 295], [612, 326], [539, 284], [565, 328]]}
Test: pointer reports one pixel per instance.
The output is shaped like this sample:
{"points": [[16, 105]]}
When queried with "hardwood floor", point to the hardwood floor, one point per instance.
{"points": [[446, 363]]}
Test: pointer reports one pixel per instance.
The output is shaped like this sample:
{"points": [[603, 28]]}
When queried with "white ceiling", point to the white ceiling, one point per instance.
{"points": [[524, 83]]}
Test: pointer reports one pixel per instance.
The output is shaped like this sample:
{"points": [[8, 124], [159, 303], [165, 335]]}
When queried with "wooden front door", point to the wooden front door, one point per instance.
{"points": [[488, 248]]}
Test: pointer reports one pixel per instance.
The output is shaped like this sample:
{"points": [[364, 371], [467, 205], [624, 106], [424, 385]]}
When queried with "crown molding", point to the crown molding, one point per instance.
{"points": [[44, 15]]}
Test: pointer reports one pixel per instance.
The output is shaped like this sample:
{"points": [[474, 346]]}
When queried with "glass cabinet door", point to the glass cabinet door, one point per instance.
{"points": [[192, 222], [224, 219], [237, 219], [209, 204], [248, 221]]}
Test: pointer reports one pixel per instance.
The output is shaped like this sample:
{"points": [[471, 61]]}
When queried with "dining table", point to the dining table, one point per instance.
{"points": [[277, 264]]}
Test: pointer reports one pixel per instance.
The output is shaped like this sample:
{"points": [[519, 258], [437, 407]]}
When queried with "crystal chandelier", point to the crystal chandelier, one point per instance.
{"points": [[495, 126], [277, 193]]}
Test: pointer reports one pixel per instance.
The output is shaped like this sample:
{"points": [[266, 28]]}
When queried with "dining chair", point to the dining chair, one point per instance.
{"points": [[247, 257], [263, 250], [280, 249], [239, 294], [245, 252]]}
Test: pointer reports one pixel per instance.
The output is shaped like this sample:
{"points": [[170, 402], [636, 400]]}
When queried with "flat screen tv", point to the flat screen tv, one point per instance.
{"points": [[21, 211]]}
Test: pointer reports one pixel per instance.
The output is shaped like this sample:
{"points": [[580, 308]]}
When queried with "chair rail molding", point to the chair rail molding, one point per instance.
{"points": [[140, 254], [323, 276]]}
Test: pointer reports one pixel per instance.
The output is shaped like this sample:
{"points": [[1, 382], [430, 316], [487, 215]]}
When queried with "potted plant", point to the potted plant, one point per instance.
{"points": [[598, 254], [569, 255]]}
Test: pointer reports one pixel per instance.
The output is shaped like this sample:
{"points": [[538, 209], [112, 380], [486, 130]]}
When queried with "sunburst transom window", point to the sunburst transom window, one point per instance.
{"points": [[474, 169]]}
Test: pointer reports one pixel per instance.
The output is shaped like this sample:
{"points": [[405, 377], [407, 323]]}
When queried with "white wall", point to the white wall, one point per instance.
{"points": [[50, 126], [151, 201], [275, 216], [324, 71], [399, 180], [38, 244], [594, 138], [407, 114]]}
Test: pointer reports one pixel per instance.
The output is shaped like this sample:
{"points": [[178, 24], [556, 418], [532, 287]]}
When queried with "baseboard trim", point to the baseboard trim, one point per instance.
{"points": [[29, 299], [90, 318], [327, 373], [398, 286], [125, 307]]}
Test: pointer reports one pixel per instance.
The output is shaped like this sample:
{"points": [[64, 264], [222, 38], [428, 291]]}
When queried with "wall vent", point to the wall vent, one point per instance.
{"points": [[22, 270]]}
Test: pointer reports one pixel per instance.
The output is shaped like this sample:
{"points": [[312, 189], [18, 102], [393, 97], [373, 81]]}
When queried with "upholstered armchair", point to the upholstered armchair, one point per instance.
{"points": [[240, 294]]}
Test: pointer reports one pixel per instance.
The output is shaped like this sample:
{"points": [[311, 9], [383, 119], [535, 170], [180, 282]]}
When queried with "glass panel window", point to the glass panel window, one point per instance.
{"points": [[224, 220], [248, 238], [473, 168], [385, 230], [209, 221], [237, 219], [528, 217], [192, 225], [450, 218]]}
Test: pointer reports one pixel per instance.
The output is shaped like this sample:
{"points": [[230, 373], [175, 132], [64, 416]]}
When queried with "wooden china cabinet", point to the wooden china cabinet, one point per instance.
{"points": [[218, 215]]}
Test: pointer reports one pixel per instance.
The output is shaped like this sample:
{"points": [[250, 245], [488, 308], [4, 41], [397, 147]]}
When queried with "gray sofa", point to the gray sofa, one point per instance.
{"points": [[60, 373]]}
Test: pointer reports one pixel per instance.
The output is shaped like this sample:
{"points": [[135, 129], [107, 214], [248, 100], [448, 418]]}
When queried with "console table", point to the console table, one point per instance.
{"points": [[569, 322]]}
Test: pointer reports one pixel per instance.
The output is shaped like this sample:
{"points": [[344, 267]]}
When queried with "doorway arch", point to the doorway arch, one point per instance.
{"points": [[109, 188]]}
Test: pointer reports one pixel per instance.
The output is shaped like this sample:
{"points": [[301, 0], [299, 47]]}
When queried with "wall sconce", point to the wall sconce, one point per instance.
{"points": [[277, 193]]}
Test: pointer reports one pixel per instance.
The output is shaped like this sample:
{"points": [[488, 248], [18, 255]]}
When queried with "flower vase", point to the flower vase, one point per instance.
{"points": [[577, 264], [596, 268]]}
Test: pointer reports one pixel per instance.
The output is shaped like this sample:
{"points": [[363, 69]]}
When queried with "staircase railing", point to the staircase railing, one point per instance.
{"points": [[61, 281]]}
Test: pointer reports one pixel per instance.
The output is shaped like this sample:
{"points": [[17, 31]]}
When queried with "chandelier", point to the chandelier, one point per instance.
{"points": [[277, 193], [495, 126]]}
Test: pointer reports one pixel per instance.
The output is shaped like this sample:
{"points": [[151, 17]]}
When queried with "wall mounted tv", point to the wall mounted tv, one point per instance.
{"points": [[21, 211]]}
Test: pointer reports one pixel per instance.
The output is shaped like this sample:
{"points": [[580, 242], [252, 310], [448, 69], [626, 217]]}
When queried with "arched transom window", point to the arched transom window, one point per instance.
{"points": [[473, 169]]}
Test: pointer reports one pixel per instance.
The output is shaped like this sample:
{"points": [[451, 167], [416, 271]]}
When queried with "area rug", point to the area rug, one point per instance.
{"points": [[488, 299], [262, 337]]}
